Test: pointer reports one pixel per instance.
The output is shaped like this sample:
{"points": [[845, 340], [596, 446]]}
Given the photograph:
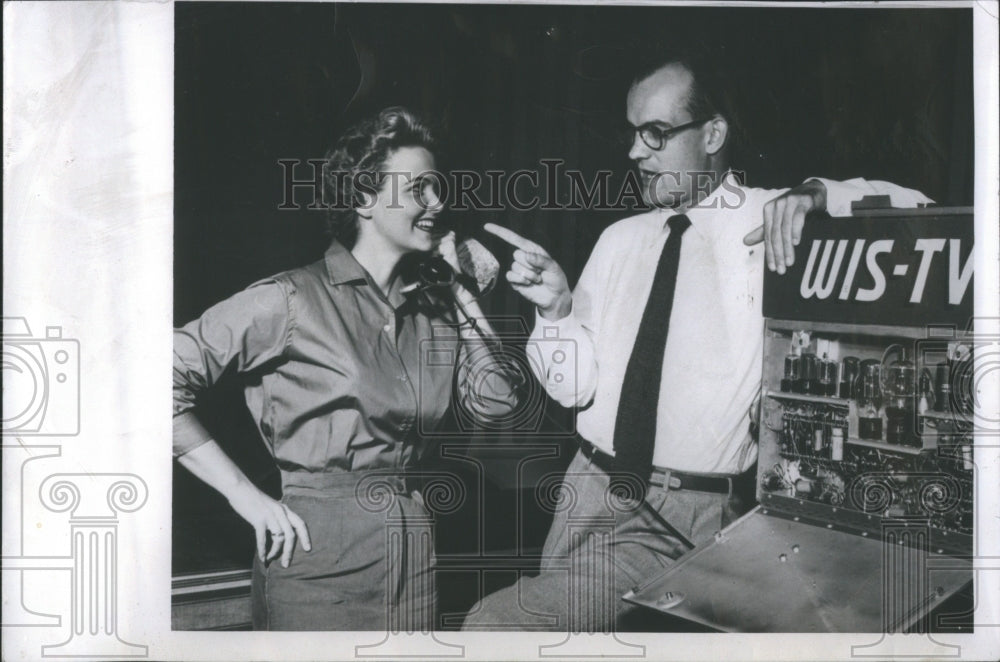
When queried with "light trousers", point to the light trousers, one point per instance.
{"points": [[598, 548]]}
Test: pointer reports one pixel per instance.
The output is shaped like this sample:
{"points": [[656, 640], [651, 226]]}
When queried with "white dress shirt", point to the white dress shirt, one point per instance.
{"points": [[714, 354]]}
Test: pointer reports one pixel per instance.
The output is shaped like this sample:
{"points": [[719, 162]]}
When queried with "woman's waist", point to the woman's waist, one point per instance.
{"points": [[345, 439], [365, 483], [327, 456]]}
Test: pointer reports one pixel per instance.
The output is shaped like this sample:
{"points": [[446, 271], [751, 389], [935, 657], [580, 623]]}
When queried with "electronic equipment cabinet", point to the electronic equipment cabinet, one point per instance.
{"points": [[866, 472]]}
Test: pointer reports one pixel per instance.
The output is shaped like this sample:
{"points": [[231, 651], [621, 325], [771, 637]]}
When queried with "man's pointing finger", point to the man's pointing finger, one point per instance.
{"points": [[513, 238]]}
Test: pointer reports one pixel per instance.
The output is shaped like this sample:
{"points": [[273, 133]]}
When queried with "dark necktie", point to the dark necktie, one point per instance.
{"points": [[635, 426]]}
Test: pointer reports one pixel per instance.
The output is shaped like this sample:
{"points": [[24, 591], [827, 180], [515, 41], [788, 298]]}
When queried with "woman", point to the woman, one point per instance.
{"points": [[335, 384]]}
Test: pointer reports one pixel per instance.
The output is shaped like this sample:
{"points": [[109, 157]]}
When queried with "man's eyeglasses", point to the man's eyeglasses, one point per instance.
{"points": [[655, 137]]}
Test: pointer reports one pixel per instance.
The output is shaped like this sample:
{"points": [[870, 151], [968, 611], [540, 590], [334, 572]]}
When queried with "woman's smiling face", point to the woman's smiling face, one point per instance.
{"points": [[403, 215]]}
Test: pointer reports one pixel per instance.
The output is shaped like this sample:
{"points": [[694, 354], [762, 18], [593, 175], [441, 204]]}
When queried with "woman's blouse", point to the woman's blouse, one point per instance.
{"points": [[339, 377]]}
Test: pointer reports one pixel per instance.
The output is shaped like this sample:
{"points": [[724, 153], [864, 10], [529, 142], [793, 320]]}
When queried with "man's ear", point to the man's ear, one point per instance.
{"points": [[718, 133]]}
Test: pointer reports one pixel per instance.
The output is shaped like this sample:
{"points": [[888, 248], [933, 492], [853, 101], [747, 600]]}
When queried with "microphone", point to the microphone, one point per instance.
{"points": [[478, 263], [478, 270]]}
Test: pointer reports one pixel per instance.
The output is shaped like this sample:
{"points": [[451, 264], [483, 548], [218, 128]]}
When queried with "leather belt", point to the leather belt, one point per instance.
{"points": [[665, 478]]}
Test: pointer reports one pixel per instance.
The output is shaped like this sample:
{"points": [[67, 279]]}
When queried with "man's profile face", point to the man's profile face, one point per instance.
{"points": [[667, 174]]}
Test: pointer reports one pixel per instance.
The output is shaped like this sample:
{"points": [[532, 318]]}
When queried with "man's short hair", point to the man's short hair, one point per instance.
{"points": [[711, 91]]}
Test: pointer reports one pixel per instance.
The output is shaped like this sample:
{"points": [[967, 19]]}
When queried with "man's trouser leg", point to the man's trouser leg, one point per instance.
{"points": [[597, 549]]}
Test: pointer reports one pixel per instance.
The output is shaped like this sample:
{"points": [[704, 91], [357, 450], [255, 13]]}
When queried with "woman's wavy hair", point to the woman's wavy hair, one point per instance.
{"points": [[362, 153]]}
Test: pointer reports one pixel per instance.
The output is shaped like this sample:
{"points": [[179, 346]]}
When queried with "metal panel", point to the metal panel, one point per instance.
{"points": [[770, 574]]}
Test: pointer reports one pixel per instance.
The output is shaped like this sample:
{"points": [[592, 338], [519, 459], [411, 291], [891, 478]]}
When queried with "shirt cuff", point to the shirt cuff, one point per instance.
{"points": [[840, 195], [189, 433], [555, 343], [546, 329]]}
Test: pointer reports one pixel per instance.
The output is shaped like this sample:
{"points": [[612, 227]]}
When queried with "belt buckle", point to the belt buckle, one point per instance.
{"points": [[673, 482]]}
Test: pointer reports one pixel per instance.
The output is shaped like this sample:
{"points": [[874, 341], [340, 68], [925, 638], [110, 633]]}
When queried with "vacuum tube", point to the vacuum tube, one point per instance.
{"points": [[962, 389], [849, 376], [900, 395], [942, 386], [790, 379], [827, 377], [869, 396], [809, 374]]}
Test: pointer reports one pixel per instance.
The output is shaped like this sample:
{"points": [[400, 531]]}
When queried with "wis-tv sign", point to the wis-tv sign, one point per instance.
{"points": [[911, 268]]}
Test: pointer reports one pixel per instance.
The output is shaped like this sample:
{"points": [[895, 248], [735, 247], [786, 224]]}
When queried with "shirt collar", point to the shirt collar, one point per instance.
{"points": [[341, 265], [701, 213], [343, 269]]}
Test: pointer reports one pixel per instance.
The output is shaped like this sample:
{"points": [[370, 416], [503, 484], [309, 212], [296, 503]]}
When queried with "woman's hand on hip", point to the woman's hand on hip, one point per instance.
{"points": [[267, 516], [270, 518]]}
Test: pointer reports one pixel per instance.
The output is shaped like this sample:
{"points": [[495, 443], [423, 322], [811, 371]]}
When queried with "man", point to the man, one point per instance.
{"points": [[667, 329]]}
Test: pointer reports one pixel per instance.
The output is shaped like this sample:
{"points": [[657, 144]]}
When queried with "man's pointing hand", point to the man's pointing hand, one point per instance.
{"points": [[535, 275]]}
